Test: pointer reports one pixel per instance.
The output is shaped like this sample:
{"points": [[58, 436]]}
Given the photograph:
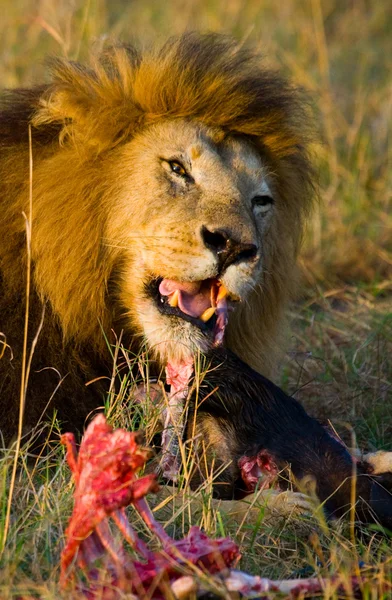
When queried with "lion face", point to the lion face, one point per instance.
{"points": [[194, 214], [169, 185]]}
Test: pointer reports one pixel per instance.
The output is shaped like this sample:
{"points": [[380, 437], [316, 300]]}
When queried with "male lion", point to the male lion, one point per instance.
{"points": [[161, 182]]}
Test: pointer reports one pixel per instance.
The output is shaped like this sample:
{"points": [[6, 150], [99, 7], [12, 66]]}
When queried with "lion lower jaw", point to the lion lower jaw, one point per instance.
{"points": [[182, 347], [177, 343]]}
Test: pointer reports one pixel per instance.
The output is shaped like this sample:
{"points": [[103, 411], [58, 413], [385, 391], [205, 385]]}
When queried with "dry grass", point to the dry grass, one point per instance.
{"points": [[340, 364], [342, 336], [275, 547]]}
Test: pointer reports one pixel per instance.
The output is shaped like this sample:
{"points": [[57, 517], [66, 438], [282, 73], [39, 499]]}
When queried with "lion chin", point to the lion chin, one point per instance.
{"points": [[170, 190]]}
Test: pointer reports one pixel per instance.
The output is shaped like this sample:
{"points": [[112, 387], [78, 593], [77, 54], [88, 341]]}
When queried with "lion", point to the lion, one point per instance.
{"points": [[160, 180]]}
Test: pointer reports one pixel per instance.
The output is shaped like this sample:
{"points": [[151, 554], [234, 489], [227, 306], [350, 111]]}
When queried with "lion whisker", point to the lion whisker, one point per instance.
{"points": [[143, 236]]}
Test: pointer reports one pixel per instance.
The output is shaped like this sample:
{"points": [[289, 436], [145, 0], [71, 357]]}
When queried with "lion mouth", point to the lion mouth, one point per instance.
{"points": [[202, 303]]}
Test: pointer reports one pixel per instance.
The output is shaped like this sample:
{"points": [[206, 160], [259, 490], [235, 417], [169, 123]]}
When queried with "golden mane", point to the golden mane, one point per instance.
{"points": [[92, 110], [205, 77]]}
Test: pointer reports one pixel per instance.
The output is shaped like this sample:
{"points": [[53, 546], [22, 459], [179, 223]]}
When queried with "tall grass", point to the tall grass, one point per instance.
{"points": [[338, 364]]}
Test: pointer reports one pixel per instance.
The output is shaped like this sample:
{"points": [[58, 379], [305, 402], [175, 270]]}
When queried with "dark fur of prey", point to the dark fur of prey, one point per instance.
{"points": [[241, 414]]}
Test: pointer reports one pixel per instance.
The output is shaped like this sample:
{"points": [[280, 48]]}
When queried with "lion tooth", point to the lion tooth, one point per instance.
{"points": [[222, 293], [173, 299], [207, 314]]}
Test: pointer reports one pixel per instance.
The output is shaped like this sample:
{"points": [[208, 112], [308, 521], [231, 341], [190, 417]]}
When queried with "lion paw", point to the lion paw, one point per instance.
{"points": [[288, 503], [380, 462]]}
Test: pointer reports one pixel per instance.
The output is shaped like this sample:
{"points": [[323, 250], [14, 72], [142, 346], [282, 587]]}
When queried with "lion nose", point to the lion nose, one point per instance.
{"points": [[227, 249]]}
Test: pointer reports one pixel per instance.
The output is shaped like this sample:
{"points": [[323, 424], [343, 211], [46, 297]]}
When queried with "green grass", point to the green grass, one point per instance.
{"points": [[338, 362]]}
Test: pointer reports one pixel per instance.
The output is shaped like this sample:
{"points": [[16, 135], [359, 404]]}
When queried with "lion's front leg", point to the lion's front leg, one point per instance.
{"points": [[270, 504]]}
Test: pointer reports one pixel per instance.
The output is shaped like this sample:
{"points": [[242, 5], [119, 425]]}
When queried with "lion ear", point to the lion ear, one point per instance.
{"points": [[93, 106]]}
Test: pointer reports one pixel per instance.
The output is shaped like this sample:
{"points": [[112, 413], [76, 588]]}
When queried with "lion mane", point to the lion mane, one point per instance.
{"points": [[78, 123]]}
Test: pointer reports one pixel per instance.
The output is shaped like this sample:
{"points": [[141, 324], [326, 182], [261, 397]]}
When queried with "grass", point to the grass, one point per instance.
{"points": [[338, 362], [327, 369], [341, 354]]}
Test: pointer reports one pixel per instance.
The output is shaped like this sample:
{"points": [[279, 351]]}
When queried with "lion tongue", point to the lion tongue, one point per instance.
{"points": [[193, 298]]}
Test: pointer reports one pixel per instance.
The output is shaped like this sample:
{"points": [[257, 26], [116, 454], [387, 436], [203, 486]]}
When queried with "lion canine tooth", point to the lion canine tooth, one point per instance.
{"points": [[173, 299], [207, 314], [222, 293]]}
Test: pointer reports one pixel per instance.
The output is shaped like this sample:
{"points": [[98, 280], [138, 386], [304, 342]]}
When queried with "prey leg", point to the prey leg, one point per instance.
{"points": [[178, 376]]}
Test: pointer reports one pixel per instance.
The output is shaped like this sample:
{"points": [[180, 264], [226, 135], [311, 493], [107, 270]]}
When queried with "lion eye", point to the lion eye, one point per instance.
{"points": [[264, 202], [177, 168]]}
